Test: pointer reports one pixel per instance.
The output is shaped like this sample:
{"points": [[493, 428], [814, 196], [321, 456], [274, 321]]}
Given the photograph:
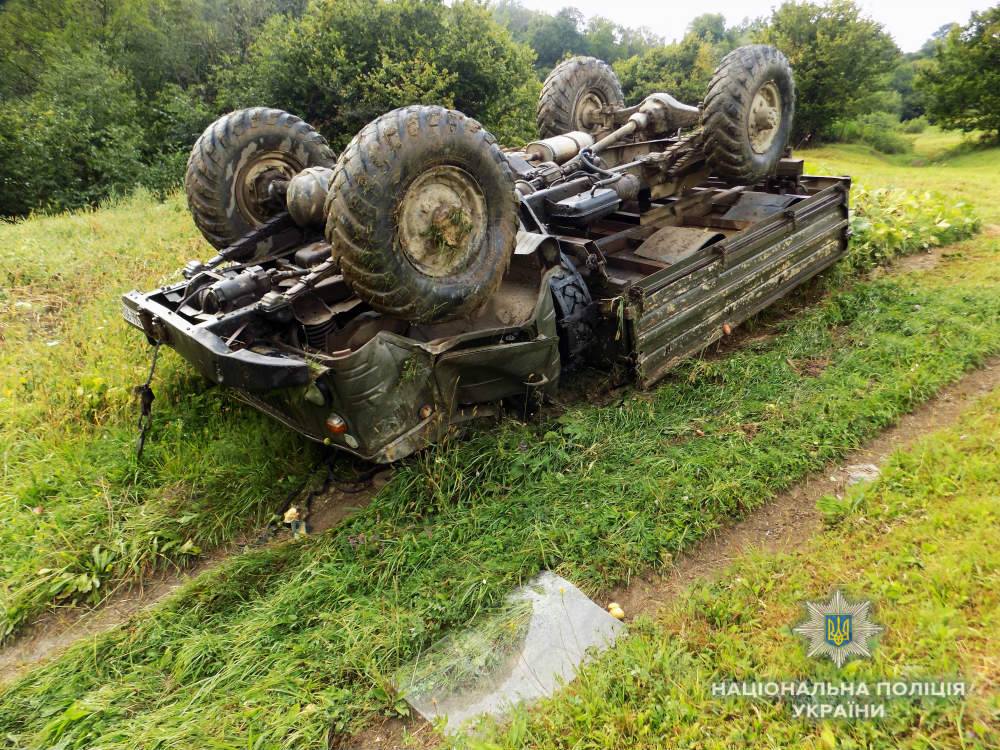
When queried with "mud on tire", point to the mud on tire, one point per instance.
{"points": [[232, 162], [748, 111], [571, 92], [422, 215]]}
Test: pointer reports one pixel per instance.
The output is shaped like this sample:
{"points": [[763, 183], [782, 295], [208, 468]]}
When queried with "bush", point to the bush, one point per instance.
{"points": [[74, 141], [880, 130], [888, 223], [344, 63], [914, 125], [173, 120]]}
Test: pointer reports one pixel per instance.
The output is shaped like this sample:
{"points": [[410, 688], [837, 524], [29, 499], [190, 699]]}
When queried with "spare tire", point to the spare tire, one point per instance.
{"points": [[748, 111], [422, 214], [575, 91], [234, 162]]}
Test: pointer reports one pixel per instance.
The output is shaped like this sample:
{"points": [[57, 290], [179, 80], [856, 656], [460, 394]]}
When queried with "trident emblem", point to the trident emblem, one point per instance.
{"points": [[838, 629]]}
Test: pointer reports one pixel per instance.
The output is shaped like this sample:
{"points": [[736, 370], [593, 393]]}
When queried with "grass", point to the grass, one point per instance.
{"points": [[275, 646], [943, 163], [80, 514], [920, 543]]}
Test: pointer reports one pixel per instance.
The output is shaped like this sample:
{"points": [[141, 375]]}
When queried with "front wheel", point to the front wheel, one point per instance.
{"points": [[748, 111], [236, 160], [575, 95], [422, 214]]}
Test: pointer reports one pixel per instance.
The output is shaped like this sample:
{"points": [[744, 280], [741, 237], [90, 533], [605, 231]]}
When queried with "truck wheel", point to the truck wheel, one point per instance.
{"points": [[235, 161], [422, 215], [747, 116], [576, 315], [574, 94]]}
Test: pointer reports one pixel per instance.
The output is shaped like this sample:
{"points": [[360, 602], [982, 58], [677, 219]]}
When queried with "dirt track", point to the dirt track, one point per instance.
{"points": [[784, 524]]}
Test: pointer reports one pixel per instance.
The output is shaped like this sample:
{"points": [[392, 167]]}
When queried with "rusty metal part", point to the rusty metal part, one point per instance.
{"points": [[442, 221], [305, 196], [681, 309], [753, 206], [559, 148], [256, 175], [765, 117], [588, 108], [673, 244]]}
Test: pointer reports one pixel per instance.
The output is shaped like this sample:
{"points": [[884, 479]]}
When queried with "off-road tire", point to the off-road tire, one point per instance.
{"points": [[366, 198], [213, 168], [568, 82], [576, 316], [726, 112]]}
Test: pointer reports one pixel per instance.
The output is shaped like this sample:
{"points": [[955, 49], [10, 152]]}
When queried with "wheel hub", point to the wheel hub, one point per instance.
{"points": [[254, 197], [765, 117], [587, 112], [442, 221]]}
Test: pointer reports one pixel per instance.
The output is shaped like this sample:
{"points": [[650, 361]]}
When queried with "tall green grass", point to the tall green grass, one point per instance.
{"points": [[275, 647], [80, 514], [920, 544]]}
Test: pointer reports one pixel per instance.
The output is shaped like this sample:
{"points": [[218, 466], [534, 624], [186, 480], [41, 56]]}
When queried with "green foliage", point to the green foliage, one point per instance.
{"points": [[345, 63], [278, 645], [69, 479], [174, 118], [961, 88], [914, 125], [880, 130], [887, 223], [72, 142], [920, 543], [838, 56], [682, 68], [565, 33], [148, 61]]}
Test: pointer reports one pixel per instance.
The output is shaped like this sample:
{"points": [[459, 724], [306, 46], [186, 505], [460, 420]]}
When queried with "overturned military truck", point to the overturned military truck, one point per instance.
{"points": [[372, 301]]}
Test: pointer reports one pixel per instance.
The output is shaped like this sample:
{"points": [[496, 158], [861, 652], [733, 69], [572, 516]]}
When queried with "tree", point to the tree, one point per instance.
{"points": [[840, 59], [682, 68], [554, 38], [558, 36], [961, 87], [74, 141], [346, 62]]}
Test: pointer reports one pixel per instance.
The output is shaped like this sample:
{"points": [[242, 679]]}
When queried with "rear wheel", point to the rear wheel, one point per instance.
{"points": [[574, 94], [235, 162], [422, 214], [747, 117]]}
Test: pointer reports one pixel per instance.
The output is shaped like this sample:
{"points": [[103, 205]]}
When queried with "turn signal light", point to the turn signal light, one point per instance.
{"points": [[336, 424]]}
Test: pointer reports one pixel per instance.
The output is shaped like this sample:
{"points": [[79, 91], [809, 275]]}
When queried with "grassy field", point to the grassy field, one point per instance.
{"points": [[921, 543], [275, 646], [80, 515], [941, 161]]}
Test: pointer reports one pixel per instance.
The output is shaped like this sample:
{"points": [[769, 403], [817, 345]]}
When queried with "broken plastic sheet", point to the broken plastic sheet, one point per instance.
{"points": [[523, 652]]}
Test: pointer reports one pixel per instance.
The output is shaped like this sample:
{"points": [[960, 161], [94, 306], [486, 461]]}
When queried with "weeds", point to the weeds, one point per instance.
{"points": [[276, 646], [920, 543], [282, 644]]}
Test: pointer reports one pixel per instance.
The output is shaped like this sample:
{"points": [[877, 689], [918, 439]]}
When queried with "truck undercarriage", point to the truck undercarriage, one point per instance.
{"points": [[624, 247]]}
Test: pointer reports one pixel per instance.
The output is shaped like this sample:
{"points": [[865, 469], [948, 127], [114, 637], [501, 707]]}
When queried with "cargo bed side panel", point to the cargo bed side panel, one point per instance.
{"points": [[678, 311]]}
